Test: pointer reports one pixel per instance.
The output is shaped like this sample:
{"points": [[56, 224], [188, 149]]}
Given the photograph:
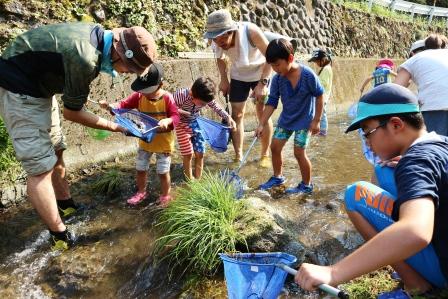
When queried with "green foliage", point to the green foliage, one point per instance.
{"points": [[439, 3], [383, 11], [199, 224], [177, 24], [109, 182], [8, 34], [131, 12], [9, 167]]}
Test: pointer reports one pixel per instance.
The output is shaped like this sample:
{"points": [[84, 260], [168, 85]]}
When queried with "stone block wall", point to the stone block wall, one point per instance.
{"points": [[347, 32], [178, 25]]}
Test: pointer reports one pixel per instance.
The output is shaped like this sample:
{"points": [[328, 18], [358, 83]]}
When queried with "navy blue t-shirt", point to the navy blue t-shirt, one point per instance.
{"points": [[423, 172]]}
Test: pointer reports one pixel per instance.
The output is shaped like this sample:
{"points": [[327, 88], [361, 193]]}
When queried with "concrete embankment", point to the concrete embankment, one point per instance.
{"points": [[348, 76]]}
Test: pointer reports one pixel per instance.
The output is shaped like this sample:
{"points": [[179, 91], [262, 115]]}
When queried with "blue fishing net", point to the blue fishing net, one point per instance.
{"points": [[255, 275], [136, 123], [217, 135], [234, 181]]}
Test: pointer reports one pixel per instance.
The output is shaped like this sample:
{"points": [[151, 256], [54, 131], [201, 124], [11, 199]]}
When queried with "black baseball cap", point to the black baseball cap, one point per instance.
{"points": [[150, 80], [317, 54]]}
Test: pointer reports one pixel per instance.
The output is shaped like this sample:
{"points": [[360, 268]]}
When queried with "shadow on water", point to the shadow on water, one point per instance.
{"points": [[113, 256]]}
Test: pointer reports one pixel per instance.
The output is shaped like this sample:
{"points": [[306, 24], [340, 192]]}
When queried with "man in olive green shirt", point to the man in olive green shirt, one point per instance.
{"points": [[60, 59]]}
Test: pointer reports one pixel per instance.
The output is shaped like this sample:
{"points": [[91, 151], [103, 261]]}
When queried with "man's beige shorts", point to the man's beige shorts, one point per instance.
{"points": [[35, 129]]}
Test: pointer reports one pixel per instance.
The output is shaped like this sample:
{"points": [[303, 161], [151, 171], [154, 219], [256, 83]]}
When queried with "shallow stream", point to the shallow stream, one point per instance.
{"points": [[115, 240]]}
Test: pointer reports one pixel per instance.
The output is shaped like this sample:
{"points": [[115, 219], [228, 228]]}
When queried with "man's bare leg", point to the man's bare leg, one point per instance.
{"points": [[238, 109], [60, 184], [41, 194]]}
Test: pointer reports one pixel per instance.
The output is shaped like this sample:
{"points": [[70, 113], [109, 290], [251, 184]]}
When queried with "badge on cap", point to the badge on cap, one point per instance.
{"points": [[129, 54]]}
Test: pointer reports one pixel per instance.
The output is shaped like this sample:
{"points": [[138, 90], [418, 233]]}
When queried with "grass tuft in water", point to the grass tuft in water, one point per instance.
{"points": [[370, 285], [109, 182], [199, 224]]}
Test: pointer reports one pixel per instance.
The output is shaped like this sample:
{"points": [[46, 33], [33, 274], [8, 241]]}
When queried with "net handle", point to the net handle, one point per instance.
{"points": [[324, 287], [246, 155], [150, 130]]}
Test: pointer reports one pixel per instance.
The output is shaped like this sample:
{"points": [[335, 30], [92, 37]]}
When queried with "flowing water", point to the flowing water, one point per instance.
{"points": [[115, 240]]}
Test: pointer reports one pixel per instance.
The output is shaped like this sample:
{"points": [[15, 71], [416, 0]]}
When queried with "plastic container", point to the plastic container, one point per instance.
{"points": [[98, 134]]}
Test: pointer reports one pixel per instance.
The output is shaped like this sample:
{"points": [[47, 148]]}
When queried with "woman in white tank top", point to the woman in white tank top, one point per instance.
{"points": [[244, 44]]}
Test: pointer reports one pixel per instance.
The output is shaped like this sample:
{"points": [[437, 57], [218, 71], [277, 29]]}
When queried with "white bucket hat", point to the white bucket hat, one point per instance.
{"points": [[218, 23]]}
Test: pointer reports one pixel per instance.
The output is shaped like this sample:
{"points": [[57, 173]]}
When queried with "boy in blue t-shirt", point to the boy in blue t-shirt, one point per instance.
{"points": [[302, 99], [409, 230]]}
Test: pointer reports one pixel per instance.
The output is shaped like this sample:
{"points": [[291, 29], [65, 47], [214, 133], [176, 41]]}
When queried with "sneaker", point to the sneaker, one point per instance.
{"points": [[301, 188], [265, 162], [61, 240], [395, 276], [273, 181], [137, 198]]}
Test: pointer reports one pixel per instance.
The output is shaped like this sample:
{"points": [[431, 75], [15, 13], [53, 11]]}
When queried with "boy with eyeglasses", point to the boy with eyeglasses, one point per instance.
{"points": [[408, 231]]}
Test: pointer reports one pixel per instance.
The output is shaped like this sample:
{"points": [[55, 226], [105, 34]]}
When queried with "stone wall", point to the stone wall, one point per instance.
{"points": [[347, 32], [178, 25]]}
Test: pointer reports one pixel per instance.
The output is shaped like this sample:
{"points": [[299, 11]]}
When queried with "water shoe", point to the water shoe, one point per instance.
{"points": [[61, 240], [137, 198], [273, 181], [301, 188]]}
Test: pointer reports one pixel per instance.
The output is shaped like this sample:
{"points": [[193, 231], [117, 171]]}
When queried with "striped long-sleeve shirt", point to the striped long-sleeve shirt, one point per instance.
{"points": [[184, 101]]}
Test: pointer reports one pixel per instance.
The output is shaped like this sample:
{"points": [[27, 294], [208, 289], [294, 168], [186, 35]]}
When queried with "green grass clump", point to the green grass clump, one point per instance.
{"points": [[199, 224], [109, 182]]}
